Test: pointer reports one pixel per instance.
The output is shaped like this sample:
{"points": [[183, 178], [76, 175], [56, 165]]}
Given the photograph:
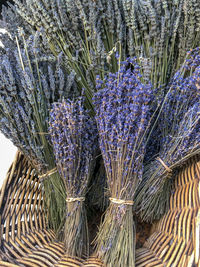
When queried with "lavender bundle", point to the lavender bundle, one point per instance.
{"points": [[87, 32], [122, 115], [180, 138], [160, 33], [74, 138], [28, 87]]}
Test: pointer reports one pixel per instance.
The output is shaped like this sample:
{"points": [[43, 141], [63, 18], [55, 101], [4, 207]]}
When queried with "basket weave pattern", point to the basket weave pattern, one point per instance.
{"points": [[25, 239], [175, 241]]}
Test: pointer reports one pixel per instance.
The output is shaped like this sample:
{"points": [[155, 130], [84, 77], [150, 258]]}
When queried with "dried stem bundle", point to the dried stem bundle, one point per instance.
{"points": [[122, 115], [28, 87], [74, 138], [179, 124]]}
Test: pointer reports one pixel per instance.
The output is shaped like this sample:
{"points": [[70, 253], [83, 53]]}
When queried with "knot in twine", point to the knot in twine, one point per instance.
{"points": [[74, 199], [165, 166], [121, 201], [49, 173]]}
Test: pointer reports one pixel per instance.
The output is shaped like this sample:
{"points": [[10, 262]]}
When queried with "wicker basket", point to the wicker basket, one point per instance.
{"points": [[176, 237], [25, 239]]}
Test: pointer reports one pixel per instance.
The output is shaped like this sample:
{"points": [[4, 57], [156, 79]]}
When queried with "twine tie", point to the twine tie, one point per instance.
{"points": [[165, 166], [74, 199], [49, 173], [121, 201]]}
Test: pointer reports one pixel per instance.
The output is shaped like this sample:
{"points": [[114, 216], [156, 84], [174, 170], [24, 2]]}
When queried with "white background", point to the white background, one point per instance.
{"points": [[7, 154]]}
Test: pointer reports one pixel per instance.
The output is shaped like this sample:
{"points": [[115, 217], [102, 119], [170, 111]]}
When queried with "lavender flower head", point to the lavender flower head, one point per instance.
{"points": [[73, 135], [122, 114]]}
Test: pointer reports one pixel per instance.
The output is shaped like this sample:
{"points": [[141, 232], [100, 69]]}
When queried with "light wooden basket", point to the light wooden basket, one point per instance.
{"points": [[25, 239], [175, 238]]}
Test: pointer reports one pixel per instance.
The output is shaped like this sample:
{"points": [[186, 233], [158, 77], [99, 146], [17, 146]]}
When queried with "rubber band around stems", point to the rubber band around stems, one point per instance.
{"points": [[74, 199], [49, 173], [165, 166], [121, 201]]}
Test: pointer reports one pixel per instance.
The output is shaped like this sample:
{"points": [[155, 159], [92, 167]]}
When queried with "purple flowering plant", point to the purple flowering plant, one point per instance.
{"points": [[179, 124], [122, 106], [74, 138]]}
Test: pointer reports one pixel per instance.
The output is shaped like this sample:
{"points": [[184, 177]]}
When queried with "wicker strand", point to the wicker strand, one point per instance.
{"points": [[121, 201]]}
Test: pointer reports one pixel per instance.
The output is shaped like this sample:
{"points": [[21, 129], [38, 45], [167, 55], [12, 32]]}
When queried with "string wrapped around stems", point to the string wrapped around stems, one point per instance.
{"points": [[122, 115], [74, 137]]}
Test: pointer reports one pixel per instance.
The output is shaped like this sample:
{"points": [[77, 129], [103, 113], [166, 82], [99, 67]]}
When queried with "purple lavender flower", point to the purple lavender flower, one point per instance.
{"points": [[73, 135], [122, 113]]}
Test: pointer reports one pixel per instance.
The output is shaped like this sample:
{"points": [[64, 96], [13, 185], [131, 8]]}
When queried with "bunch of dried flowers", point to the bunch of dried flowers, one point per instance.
{"points": [[179, 124], [28, 87], [74, 137], [122, 107]]}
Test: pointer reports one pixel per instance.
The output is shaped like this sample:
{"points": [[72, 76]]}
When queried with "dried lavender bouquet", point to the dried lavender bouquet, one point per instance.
{"points": [[122, 115], [74, 138], [160, 33], [28, 87], [180, 138], [87, 32]]}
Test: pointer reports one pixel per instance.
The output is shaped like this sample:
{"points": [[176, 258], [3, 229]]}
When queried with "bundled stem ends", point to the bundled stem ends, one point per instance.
{"points": [[116, 237], [76, 228]]}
